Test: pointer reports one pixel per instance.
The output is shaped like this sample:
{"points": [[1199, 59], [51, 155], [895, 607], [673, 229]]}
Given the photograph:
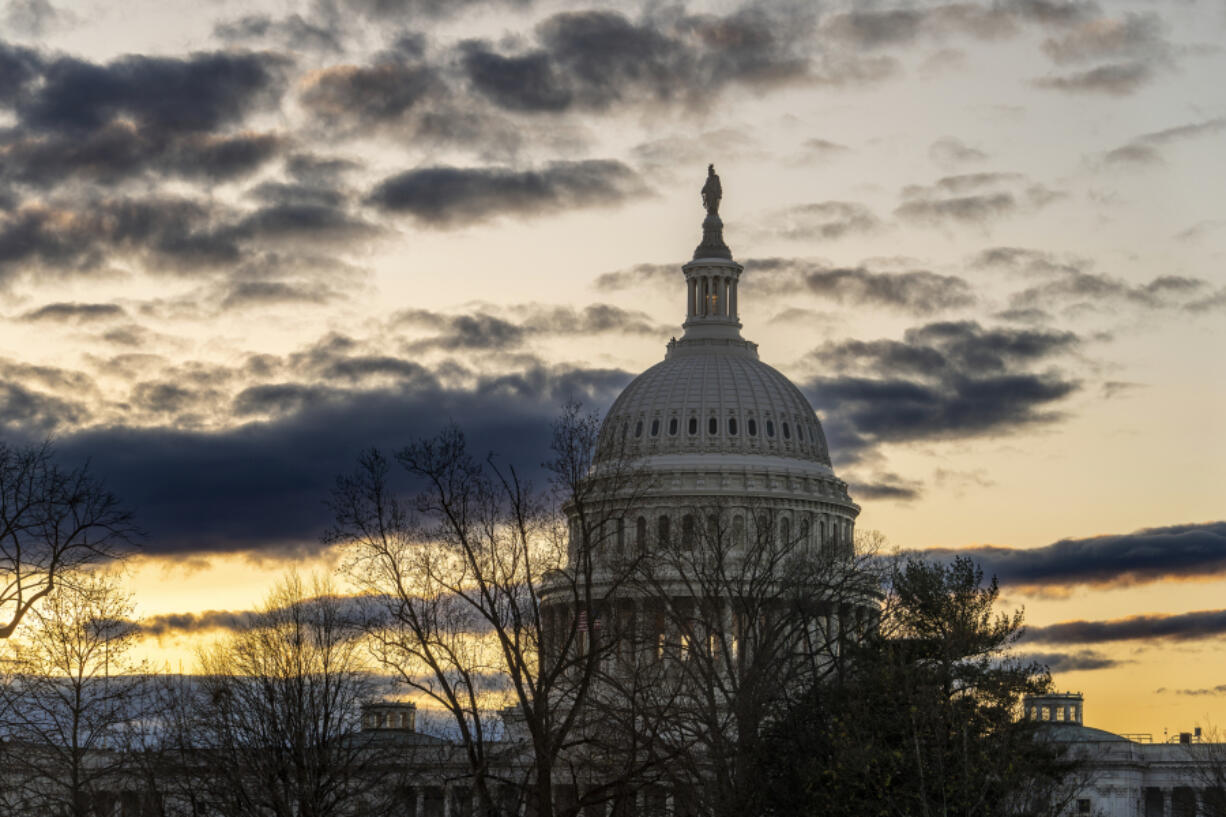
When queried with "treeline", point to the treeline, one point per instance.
{"points": [[730, 664]]}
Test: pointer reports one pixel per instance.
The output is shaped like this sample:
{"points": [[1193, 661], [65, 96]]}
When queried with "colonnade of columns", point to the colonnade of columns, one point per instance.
{"points": [[712, 296]]}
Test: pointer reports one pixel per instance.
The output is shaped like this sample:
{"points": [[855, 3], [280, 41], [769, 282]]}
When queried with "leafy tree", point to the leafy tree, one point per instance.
{"points": [[922, 717]]}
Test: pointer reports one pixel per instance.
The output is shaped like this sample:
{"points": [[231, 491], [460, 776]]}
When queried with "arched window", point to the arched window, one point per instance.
{"points": [[655, 428], [638, 429], [764, 529], [787, 432], [804, 533], [785, 531], [672, 427], [732, 426], [712, 528], [738, 531], [713, 426], [770, 428], [752, 425], [821, 532], [687, 530], [662, 526], [693, 426], [640, 534]]}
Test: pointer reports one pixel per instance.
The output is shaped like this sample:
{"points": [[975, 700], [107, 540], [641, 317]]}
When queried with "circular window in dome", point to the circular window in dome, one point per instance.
{"points": [[712, 426], [672, 427], [693, 426], [752, 426], [655, 428], [770, 428]]}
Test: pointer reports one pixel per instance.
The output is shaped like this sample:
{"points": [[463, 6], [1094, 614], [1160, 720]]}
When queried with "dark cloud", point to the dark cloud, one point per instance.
{"points": [[183, 623], [240, 294], [1077, 661], [1146, 148], [1133, 35], [1220, 689], [199, 93], [886, 487], [1174, 627], [1192, 551], [1116, 79], [262, 485], [1093, 290], [565, 320], [972, 198], [451, 196], [823, 146], [83, 238], [32, 17], [944, 380], [640, 274], [919, 292], [75, 312], [292, 31], [825, 220], [873, 29], [37, 413], [358, 96], [596, 59], [949, 151]]}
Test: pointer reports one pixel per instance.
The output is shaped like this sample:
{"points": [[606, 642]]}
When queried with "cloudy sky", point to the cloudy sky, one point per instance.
{"points": [[239, 242]]}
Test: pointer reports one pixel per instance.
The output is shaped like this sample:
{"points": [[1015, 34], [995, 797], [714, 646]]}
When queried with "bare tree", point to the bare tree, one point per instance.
{"points": [[489, 591], [53, 521], [73, 696], [270, 727]]}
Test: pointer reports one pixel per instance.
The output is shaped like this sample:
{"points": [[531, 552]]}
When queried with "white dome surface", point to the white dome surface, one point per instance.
{"points": [[709, 398]]}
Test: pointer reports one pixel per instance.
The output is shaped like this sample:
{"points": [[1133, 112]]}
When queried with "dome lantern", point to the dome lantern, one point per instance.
{"points": [[712, 277]]}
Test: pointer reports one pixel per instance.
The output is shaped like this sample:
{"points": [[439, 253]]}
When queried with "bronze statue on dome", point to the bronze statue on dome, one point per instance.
{"points": [[712, 192]]}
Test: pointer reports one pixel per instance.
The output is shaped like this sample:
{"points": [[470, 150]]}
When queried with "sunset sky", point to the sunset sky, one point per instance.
{"points": [[242, 241]]}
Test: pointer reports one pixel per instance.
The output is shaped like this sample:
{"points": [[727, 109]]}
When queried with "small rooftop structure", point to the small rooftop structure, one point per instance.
{"points": [[387, 715], [1057, 707]]}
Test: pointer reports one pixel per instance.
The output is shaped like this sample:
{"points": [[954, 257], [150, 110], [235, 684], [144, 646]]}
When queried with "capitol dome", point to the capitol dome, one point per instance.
{"points": [[712, 424]]}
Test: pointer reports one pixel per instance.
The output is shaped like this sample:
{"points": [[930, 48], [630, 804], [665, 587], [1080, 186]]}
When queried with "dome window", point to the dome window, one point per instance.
{"points": [[712, 426], [752, 425], [672, 427], [770, 428], [787, 432], [732, 426], [693, 426], [655, 428], [638, 429]]}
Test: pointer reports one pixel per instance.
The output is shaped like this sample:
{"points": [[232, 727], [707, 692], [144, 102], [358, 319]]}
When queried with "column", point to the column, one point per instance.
{"points": [[689, 304], [732, 309], [1166, 802]]}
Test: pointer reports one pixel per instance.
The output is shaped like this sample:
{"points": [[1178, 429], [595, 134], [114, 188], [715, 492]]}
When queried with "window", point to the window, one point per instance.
{"points": [[785, 530], [1083, 805], [752, 425], [787, 432], [638, 429], [693, 426], [662, 526], [732, 426], [804, 532], [640, 533], [713, 528], [770, 428], [655, 428], [672, 427], [764, 529], [712, 426], [687, 531], [738, 531]]}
